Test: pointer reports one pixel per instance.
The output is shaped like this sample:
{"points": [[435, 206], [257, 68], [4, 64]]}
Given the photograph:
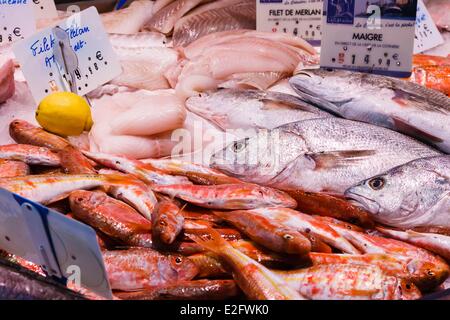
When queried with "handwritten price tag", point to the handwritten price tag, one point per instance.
{"points": [[45, 9], [17, 20], [427, 34], [77, 52]]}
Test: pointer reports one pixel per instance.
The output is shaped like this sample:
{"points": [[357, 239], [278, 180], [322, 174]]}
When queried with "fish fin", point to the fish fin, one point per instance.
{"points": [[209, 239], [336, 159], [410, 130], [57, 198]]}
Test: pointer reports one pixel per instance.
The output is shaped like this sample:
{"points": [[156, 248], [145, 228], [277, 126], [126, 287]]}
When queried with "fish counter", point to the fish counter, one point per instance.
{"points": [[221, 162]]}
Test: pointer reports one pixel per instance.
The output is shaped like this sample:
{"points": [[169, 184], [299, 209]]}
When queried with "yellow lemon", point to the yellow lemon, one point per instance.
{"points": [[65, 114]]}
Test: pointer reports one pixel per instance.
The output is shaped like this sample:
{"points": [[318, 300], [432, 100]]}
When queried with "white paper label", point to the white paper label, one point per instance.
{"points": [[45, 9], [369, 36], [302, 18], [17, 20], [427, 34], [76, 56]]}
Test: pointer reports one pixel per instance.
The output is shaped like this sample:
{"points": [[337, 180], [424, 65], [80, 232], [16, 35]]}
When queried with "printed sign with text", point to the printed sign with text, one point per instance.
{"points": [[369, 36]]}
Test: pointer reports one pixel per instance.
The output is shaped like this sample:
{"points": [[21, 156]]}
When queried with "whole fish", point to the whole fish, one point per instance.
{"points": [[10, 169], [349, 282], [404, 268], [137, 168], [196, 173], [49, 188], [416, 194], [135, 193], [31, 155], [306, 224], [217, 16], [187, 290], [228, 196], [433, 269], [330, 206], [437, 243], [19, 283], [140, 268], [167, 221], [74, 162], [388, 102], [255, 280], [318, 155], [251, 109], [26, 133], [268, 233], [112, 217]]}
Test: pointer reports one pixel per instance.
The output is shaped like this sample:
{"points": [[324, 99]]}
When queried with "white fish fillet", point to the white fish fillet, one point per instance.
{"points": [[122, 113], [129, 20], [213, 17], [241, 55], [138, 41], [165, 19], [197, 47], [159, 4], [144, 68], [6, 81]]}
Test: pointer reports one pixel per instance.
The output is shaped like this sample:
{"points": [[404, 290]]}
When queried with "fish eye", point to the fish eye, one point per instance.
{"points": [[178, 260], [288, 237], [238, 146], [377, 183]]}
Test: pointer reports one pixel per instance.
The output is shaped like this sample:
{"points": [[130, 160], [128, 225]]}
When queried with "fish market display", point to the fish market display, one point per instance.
{"points": [[222, 163], [216, 16], [412, 195], [251, 109], [318, 155], [387, 102]]}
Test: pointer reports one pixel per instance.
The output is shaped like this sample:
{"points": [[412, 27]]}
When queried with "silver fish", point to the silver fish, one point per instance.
{"points": [[318, 155], [392, 103], [251, 109], [412, 195]]}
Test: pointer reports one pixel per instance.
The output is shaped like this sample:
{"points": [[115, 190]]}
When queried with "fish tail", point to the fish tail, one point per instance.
{"points": [[209, 239]]}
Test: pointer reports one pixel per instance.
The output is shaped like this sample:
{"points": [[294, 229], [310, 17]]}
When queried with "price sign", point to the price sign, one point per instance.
{"points": [[45, 9], [17, 20], [65, 249], [74, 56], [369, 36], [427, 34], [302, 18]]}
